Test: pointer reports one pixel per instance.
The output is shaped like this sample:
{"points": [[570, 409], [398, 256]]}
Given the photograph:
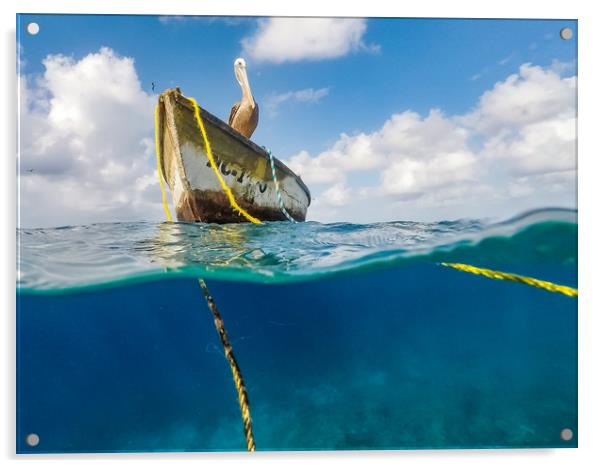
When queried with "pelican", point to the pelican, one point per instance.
{"points": [[245, 113]]}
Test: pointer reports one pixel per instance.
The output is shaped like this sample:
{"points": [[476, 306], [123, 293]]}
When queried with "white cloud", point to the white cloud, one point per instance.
{"points": [[559, 67], [337, 195], [514, 150], [87, 151], [537, 148], [528, 121], [414, 154], [532, 95], [307, 95], [279, 40], [349, 153]]}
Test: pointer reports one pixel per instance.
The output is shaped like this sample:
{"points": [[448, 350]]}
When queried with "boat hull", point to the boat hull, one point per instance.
{"points": [[245, 168]]}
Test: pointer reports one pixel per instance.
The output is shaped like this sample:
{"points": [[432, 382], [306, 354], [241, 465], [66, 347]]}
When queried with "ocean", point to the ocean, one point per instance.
{"points": [[348, 336]]}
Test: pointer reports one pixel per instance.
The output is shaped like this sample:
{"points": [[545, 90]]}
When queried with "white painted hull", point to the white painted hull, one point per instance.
{"points": [[244, 167]]}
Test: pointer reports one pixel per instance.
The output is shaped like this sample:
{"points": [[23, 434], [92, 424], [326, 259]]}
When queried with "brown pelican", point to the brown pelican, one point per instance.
{"points": [[245, 113]]}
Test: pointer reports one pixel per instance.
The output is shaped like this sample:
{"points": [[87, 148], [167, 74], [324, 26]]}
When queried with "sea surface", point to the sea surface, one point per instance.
{"points": [[349, 336]]}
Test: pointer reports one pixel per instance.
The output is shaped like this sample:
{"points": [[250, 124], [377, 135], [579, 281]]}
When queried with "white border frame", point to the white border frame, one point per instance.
{"points": [[590, 306]]}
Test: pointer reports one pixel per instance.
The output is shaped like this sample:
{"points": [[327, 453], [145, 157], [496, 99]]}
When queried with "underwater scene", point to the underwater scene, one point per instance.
{"points": [[349, 336]]}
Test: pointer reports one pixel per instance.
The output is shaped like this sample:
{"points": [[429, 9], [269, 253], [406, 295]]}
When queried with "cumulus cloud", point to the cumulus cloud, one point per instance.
{"points": [[87, 151], [337, 195], [86, 143], [307, 95], [528, 121], [414, 154], [518, 142], [279, 40], [538, 148], [348, 154], [532, 95]]}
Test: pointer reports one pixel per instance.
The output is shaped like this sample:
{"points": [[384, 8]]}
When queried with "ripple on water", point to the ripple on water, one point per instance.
{"points": [[54, 260]]}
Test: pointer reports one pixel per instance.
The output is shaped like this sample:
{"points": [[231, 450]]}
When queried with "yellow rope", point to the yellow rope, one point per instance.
{"points": [[572, 292], [243, 398], [159, 170], [235, 206]]}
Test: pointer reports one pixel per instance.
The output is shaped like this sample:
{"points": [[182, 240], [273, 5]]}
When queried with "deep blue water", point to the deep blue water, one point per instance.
{"points": [[376, 347]]}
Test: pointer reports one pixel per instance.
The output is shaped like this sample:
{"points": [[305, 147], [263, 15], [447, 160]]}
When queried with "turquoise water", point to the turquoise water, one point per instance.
{"points": [[69, 258], [349, 336]]}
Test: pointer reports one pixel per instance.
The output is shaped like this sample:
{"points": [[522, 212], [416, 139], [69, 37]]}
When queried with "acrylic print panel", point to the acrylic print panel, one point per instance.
{"points": [[375, 248]]}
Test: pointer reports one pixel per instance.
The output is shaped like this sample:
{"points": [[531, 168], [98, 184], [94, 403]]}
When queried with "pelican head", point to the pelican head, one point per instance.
{"points": [[240, 70], [240, 63]]}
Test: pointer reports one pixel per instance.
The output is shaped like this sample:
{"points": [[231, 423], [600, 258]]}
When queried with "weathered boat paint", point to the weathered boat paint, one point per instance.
{"points": [[245, 167]]}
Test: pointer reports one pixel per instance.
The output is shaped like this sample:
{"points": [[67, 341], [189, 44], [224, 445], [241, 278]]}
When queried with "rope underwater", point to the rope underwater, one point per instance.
{"points": [[243, 398], [566, 290], [241, 390]]}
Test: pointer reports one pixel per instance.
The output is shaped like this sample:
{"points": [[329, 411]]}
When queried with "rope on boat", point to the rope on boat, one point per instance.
{"points": [[159, 170], [571, 292], [235, 206], [243, 398], [239, 382], [280, 202]]}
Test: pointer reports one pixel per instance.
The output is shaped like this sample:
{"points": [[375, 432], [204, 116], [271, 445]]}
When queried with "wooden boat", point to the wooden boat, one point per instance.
{"points": [[244, 166]]}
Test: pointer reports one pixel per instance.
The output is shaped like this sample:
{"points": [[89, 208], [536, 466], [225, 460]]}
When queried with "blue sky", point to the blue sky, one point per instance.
{"points": [[394, 66]]}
